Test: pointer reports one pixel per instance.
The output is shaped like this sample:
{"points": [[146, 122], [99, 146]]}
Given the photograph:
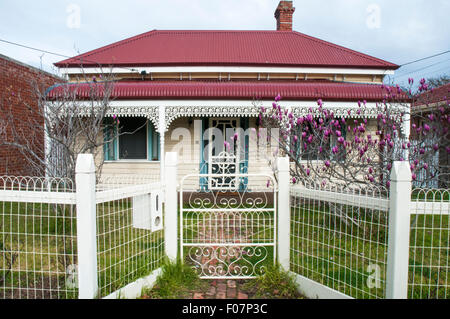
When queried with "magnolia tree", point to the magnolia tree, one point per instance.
{"points": [[326, 148]]}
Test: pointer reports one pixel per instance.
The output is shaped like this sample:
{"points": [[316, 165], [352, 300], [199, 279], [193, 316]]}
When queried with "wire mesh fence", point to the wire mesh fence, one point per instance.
{"points": [[129, 245], [429, 268], [339, 237], [108, 181], [38, 248]]}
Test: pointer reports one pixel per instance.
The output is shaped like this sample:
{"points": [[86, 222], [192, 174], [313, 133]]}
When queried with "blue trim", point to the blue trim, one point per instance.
{"points": [[203, 169], [151, 134], [110, 132], [243, 165]]}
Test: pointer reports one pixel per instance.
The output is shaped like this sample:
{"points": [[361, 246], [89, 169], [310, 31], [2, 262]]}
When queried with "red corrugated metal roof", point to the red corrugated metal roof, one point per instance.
{"points": [[189, 90], [230, 48], [440, 94]]}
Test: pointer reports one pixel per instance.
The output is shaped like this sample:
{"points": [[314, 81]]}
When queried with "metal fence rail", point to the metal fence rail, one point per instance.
{"points": [[38, 244], [339, 237]]}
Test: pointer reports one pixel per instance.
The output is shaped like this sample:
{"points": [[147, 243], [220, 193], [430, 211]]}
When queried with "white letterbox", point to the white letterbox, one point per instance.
{"points": [[141, 212], [147, 211]]}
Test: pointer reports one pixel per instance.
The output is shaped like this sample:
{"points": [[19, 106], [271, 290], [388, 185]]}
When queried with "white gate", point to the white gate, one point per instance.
{"points": [[228, 224]]}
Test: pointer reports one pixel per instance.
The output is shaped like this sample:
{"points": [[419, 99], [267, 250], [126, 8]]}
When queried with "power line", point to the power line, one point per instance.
{"points": [[417, 70], [56, 54], [426, 58]]}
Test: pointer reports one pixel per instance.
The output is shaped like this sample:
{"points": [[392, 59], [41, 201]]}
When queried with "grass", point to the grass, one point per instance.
{"points": [[41, 240], [274, 284], [125, 253], [346, 258], [176, 281]]}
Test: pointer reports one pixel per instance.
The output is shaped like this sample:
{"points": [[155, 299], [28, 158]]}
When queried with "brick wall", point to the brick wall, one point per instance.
{"points": [[18, 83]]}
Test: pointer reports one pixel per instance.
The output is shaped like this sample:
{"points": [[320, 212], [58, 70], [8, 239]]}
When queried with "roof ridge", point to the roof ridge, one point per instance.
{"points": [[111, 45]]}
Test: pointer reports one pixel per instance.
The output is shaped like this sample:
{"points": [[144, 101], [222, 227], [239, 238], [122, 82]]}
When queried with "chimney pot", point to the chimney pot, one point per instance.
{"points": [[283, 14]]}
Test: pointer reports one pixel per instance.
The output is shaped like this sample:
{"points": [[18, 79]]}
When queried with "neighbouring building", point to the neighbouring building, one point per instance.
{"points": [[18, 102], [432, 101], [180, 83]]}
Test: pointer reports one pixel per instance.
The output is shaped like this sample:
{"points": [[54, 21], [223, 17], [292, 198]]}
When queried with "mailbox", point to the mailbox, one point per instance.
{"points": [[147, 211]]}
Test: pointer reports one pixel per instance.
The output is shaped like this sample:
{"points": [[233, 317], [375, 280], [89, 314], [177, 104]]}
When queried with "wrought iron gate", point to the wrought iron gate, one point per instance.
{"points": [[228, 232]]}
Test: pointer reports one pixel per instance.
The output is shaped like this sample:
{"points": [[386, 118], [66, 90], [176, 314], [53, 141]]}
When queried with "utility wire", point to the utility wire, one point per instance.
{"points": [[424, 68], [57, 54], [426, 58]]}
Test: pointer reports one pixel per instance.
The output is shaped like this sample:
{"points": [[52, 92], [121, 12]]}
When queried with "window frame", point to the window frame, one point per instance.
{"points": [[115, 143]]}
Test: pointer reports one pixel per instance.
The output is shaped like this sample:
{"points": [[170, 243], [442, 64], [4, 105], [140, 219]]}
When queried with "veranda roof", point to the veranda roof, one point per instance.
{"points": [[230, 90]]}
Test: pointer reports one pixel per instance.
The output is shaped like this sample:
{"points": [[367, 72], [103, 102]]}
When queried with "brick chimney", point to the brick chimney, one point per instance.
{"points": [[283, 14]]}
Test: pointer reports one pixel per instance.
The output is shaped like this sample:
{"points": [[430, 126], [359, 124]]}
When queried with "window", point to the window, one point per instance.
{"points": [[133, 138]]}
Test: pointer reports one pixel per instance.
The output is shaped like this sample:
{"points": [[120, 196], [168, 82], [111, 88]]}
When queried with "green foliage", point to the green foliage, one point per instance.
{"points": [[275, 283], [175, 281]]}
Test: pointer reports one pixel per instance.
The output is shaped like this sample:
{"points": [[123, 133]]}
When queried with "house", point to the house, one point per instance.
{"points": [[172, 86], [433, 101], [18, 103]]}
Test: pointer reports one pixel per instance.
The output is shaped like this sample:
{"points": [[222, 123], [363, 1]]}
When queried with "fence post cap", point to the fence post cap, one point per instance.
{"points": [[401, 172], [283, 163], [85, 164]]}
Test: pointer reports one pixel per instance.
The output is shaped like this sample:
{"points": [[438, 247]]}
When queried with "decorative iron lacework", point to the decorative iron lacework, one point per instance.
{"points": [[345, 112], [174, 112], [349, 112], [228, 228], [150, 112]]}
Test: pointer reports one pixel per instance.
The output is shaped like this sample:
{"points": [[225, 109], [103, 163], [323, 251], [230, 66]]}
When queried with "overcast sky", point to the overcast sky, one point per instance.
{"points": [[398, 31]]}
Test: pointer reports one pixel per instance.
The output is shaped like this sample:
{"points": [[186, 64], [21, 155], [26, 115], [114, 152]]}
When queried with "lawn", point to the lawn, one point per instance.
{"points": [[38, 249], [38, 246], [350, 257]]}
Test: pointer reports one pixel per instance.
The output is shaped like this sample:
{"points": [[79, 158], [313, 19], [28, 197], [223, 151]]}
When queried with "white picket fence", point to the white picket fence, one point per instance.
{"points": [[370, 242]]}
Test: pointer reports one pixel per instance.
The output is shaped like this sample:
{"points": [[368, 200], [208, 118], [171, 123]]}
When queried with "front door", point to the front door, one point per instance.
{"points": [[224, 156]]}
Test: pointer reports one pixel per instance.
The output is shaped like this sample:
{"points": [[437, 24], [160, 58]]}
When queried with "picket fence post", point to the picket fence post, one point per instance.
{"points": [[284, 213], [171, 205], [399, 232], [86, 227]]}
